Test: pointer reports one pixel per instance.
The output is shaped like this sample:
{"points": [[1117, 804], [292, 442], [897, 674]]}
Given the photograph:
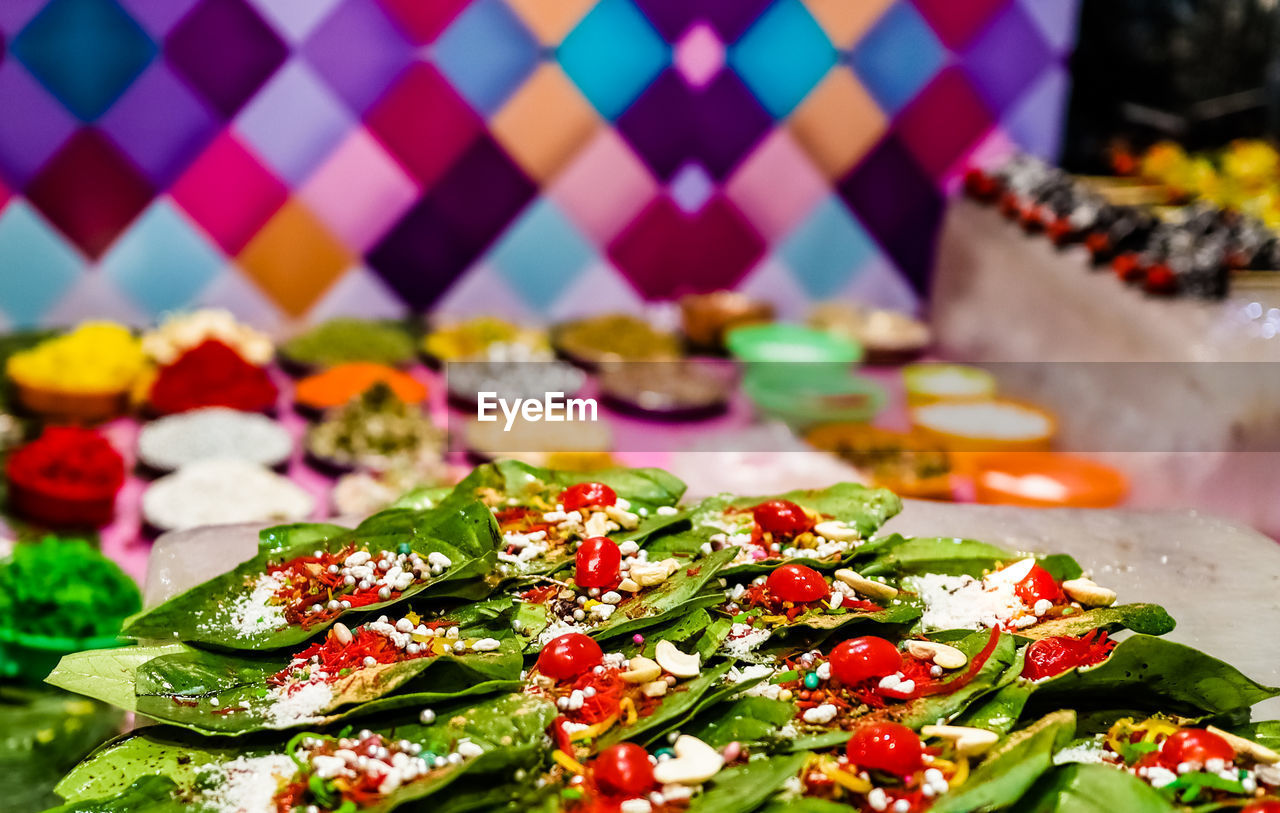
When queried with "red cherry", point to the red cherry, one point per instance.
{"points": [[781, 517], [598, 561], [1039, 584], [1267, 806], [889, 747], [1195, 745], [585, 495], [797, 583], [1053, 656], [568, 656], [859, 659], [623, 770]]}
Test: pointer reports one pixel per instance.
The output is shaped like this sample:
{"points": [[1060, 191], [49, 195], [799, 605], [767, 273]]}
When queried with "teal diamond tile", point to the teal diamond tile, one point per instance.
{"points": [[782, 56], [612, 55], [162, 262], [541, 254], [49, 266], [487, 52], [86, 52], [826, 248]]}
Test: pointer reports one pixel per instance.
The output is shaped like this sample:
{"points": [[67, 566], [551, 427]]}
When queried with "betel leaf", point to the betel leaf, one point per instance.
{"points": [[297, 534], [953, 556], [204, 614], [680, 593], [1143, 671], [149, 794], [1265, 733], [1148, 619], [1010, 768], [677, 704], [752, 721], [864, 509], [1091, 789], [107, 674], [744, 787], [423, 499]]}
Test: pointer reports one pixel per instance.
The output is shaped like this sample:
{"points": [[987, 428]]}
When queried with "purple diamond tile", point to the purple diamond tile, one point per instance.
{"points": [[672, 123], [449, 228], [14, 14], [294, 122], [295, 18], [899, 205], [226, 51], [730, 18], [670, 17], [1006, 58], [691, 187], [358, 50], [27, 141], [1057, 21], [158, 17], [160, 124], [1035, 121]]}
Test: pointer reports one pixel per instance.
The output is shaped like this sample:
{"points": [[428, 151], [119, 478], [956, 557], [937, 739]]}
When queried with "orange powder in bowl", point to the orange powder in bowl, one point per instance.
{"points": [[339, 384]]}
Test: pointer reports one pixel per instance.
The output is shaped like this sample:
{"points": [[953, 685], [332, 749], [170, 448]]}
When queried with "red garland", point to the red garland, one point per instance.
{"points": [[212, 374]]}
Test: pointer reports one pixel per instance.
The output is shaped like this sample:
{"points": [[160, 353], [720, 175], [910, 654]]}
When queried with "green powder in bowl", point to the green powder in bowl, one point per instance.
{"points": [[343, 340]]}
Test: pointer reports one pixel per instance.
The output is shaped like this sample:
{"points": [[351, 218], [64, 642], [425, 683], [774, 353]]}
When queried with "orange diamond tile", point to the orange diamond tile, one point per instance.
{"points": [[551, 20], [838, 122], [845, 21], [293, 259], [545, 122]]}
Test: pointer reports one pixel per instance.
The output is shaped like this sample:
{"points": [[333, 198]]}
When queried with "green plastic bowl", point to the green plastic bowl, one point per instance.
{"points": [[30, 658], [784, 343], [834, 396]]}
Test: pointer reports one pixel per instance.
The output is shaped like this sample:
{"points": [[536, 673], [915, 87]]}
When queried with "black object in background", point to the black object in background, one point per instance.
{"points": [[1200, 72]]}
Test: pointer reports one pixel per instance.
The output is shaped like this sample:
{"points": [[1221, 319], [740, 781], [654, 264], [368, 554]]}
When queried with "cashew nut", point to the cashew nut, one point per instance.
{"points": [[628, 586], [695, 763], [676, 662], [867, 587], [623, 517], [655, 688], [948, 657], [596, 525], [641, 670], [967, 741], [835, 531], [1088, 593], [1251, 749]]}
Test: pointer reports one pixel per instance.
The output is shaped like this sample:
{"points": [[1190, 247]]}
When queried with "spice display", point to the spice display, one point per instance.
{"points": [[677, 389], [215, 492], [485, 337], [346, 339], [377, 430], [927, 383], [511, 379], [338, 385], [361, 493], [912, 464], [889, 337], [64, 588], [615, 337], [184, 331], [96, 357], [67, 476], [211, 374], [213, 432], [706, 318], [994, 425]]}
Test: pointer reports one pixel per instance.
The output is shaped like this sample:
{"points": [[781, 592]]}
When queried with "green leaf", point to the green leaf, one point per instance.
{"points": [[1264, 733], [1091, 789], [108, 675], [753, 721], [204, 614], [1011, 767], [746, 786], [423, 499], [952, 556], [1148, 619], [149, 794], [676, 705], [297, 535]]}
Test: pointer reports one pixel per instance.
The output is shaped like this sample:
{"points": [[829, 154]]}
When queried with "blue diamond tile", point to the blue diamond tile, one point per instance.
{"points": [[541, 254], [782, 56], [691, 187], [294, 122], [50, 267], [898, 56], [487, 53], [612, 55], [826, 248], [86, 52], [162, 262]]}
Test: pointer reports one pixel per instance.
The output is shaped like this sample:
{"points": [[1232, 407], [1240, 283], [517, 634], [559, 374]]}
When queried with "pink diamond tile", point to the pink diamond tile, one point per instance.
{"points": [[776, 186], [992, 151], [480, 291], [94, 296], [599, 283], [699, 55], [359, 292], [604, 187], [880, 284], [359, 191], [229, 192], [295, 18], [232, 290], [772, 281]]}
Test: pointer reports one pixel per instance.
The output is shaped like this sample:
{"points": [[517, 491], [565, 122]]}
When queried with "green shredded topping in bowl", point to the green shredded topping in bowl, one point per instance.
{"points": [[64, 588], [343, 340]]}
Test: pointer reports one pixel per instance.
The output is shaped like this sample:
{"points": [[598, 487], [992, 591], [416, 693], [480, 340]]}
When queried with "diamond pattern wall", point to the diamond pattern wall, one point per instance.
{"points": [[299, 159]]}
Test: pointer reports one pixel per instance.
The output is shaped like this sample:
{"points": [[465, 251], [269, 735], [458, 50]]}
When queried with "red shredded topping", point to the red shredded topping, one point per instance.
{"points": [[309, 582], [212, 374], [69, 463]]}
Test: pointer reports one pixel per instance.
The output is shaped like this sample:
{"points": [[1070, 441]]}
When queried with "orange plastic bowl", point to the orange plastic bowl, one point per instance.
{"points": [[986, 426], [72, 407], [1046, 480], [340, 383]]}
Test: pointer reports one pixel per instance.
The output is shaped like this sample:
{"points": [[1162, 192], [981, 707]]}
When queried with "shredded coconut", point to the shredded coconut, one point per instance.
{"points": [[255, 613], [963, 602], [1087, 752], [247, 784], [298, 704], [743, 639]]}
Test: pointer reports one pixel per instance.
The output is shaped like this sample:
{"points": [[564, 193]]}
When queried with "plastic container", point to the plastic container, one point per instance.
{"points": [[64, 406], [814, 398], [786, 343], [997, 425], [929, 383], [30, 658], [1046, 480]]}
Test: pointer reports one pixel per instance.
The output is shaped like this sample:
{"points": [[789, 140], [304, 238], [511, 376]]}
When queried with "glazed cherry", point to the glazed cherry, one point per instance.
{"points": [[1053, 656], [859, 659], [585, 495], [1037, 585], [1195, 745], [781, 517], [598, 562], [889, 747], [568, 656], [1268, 806], [623, 770], [797, 583]]}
